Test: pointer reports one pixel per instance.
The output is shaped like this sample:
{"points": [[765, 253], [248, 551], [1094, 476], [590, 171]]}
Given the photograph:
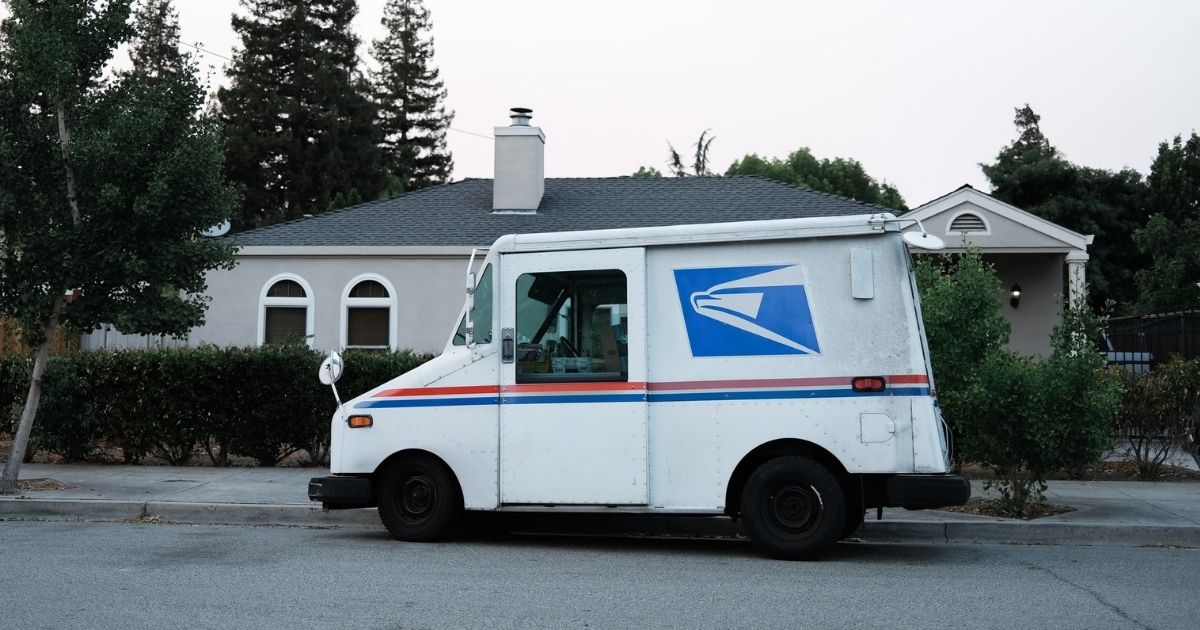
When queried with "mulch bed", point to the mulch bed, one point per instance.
{"points": [[987, 507], [34, 485], [1103, 471]]}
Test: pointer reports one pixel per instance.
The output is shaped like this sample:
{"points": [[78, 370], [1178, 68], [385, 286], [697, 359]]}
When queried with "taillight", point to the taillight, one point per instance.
{"points": [[868, 383]]}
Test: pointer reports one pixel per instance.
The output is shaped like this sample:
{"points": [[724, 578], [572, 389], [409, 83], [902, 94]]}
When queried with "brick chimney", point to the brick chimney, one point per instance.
{"points": [[520, 165]]}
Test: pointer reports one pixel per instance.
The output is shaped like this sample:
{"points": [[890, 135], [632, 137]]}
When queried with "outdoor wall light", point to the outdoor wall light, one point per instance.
{"points": [[1015, 300]]}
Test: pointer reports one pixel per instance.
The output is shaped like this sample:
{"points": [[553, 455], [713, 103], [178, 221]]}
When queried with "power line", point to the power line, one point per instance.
{"points": [[471, 133], [207, 51]]}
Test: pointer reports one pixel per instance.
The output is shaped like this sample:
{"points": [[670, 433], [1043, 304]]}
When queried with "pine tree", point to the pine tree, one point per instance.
{"points": [[299, 124], [156, 49], [410, 98]]}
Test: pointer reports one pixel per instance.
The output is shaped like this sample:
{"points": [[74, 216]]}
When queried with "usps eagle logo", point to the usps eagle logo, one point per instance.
{"points": [[741, 311]]}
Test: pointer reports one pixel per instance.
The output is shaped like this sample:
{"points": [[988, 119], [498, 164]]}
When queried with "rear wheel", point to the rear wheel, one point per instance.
{"points": [[419, 500], [793, 508]]}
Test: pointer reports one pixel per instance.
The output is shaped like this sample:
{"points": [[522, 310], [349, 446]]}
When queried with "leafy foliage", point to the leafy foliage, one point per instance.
{"points": [[1033, 175], [147, 172], [1030, 418], [839, 176], [1160, 409], [1019, 417], [699, 161], [961, 309], [1172, 235], [410, 98], [647, 171], [264, 403], [298, 123]]}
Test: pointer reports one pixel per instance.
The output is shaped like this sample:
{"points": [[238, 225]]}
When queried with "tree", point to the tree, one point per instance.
{"points": [[409, 96], [647, 171], [699, 161], [156, 50], [1033, 175], [111, 182], [299, 125], [839, 176], [1171, 238]]}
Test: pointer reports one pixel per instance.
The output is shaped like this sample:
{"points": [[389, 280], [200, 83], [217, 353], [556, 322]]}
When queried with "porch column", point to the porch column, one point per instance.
{"points": [[1076, 276]]}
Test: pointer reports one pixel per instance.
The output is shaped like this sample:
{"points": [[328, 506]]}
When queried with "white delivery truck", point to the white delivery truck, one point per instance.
{"points": [[772, 371]]}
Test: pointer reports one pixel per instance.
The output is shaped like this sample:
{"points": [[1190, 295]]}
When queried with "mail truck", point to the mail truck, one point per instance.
{"points": [[774, 372]]}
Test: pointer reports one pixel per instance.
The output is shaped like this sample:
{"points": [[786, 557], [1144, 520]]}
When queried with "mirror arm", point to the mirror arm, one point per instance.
{"points": [[470, 325]]}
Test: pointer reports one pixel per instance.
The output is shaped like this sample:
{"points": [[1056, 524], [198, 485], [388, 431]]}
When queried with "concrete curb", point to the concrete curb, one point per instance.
{"points": [[910, 531], [1031, 533]]}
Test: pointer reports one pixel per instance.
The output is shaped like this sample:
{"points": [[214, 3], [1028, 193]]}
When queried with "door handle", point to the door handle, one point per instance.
{"points": [[508, 346]]}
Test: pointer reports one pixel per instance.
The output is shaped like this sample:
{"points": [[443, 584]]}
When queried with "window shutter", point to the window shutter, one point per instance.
{"points": [[368, 327], [285, 323]]}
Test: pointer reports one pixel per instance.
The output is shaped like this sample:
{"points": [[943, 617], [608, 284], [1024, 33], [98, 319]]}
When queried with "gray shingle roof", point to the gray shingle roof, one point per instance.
{"points": [[461, 213]]}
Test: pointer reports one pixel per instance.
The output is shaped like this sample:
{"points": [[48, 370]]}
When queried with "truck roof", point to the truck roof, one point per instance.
{"points": [[741, 231]]}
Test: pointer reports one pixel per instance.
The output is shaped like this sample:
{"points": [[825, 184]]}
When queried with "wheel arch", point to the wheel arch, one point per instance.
{"points": [[771, 450], [406, 453]]}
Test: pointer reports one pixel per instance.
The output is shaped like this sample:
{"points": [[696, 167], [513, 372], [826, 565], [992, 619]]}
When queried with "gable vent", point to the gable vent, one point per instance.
{"points": [[967, 223]]}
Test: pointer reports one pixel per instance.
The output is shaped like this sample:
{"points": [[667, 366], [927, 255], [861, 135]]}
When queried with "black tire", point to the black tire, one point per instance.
{"points": [[854, 520], [794, 508], [419, 500]]}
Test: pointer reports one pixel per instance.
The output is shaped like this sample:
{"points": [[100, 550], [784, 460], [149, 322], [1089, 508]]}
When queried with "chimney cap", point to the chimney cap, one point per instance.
{"points": [[520, 116]]}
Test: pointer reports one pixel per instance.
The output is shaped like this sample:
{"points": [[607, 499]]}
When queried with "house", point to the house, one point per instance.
{"points": [[1041, 265], [390, 274]]}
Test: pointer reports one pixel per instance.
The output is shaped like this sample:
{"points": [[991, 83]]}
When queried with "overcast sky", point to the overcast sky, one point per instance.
{"points": [[920, 92]]}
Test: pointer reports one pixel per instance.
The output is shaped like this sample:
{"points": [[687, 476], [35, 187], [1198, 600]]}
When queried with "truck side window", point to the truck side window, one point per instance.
{"points": [[481, 313], [571, 326]]}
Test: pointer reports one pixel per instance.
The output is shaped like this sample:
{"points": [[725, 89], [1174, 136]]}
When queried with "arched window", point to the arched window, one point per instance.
{"points": [[369, 313], [285, 310]]}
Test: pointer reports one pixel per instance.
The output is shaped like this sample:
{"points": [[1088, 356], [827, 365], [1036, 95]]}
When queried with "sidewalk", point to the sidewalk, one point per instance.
{"points": [[1109, 513]]}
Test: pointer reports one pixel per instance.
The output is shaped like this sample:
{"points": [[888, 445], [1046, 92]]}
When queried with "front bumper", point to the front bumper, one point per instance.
{"points": [[341, 492], [919, 492]]}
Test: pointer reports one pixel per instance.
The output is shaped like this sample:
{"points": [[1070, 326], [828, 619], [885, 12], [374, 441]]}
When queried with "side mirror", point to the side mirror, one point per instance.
{"points": [[331, 368]]}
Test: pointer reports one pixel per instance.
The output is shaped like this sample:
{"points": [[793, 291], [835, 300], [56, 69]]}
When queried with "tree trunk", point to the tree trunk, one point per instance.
{"points": [[12, 468]]}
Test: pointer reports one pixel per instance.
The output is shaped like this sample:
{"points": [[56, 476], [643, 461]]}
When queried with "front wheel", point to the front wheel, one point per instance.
{"points": [[419, 500], [793, 508]]}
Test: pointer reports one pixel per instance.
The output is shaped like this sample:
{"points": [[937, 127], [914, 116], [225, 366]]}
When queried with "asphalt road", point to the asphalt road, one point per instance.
{"points": [[118, 575]]}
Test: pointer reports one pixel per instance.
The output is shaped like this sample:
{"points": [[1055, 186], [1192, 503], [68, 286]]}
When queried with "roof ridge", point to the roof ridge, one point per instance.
{"points": [[819, 192], [407, 193]]}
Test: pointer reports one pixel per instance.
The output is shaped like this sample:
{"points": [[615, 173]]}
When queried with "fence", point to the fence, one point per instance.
{"points": [[1140, 342], [10, 341]]}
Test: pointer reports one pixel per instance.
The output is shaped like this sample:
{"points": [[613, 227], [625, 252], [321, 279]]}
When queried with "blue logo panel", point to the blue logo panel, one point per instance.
{"points": [[745, 311]]}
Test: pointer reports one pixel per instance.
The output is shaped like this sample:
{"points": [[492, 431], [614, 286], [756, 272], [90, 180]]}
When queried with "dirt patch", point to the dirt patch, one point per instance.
{"points": [[987, 507], [36, 485]]}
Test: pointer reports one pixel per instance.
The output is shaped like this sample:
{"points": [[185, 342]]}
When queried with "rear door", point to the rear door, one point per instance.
{"points": [[572, 378]]}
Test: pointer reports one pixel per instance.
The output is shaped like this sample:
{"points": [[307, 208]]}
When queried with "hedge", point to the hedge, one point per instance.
{"points": [[265, 403]]}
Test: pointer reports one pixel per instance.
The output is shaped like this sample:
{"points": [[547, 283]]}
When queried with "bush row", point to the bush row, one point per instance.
{"points": [[265, 403]]}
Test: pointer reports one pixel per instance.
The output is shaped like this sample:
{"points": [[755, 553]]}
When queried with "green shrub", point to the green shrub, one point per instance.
{"points": [[961, 309], [1030, 418], [1160, 409]]}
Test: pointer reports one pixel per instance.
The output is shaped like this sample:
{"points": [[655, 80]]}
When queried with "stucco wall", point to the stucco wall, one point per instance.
{"points": [[429, 292], [1042, 296]]}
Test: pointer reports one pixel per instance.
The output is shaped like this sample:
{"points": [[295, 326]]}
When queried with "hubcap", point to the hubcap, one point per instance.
{"points": [[417, 496], [796, 508]]}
